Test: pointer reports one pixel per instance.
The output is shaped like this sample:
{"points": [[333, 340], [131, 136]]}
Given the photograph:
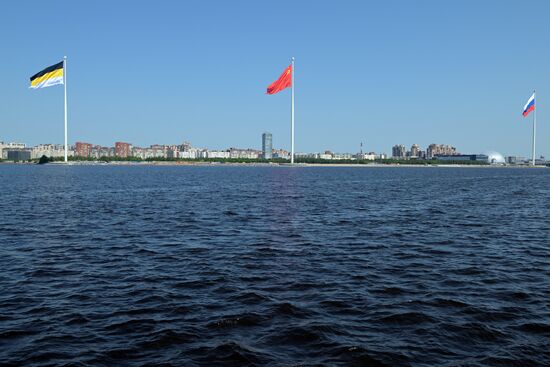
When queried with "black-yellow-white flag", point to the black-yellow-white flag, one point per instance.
{"points": [[48, 77]]}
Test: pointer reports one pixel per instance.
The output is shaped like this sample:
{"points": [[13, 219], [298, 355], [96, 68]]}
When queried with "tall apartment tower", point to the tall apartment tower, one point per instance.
{"points": [[399, 151], [267, 145], [415, 151]]}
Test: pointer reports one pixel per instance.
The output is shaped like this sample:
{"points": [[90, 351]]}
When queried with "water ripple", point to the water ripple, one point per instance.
{"points": [[278, 266]]}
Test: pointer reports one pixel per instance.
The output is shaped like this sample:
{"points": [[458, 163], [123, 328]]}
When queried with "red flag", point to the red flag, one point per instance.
{"points": [[284, 81]]}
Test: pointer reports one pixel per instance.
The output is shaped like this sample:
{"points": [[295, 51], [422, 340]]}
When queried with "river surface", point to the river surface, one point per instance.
{"points": [[274, 266]]}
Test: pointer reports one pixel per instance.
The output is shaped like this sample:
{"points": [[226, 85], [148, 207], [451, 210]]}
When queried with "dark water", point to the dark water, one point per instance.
{"points": [[207, 266]]}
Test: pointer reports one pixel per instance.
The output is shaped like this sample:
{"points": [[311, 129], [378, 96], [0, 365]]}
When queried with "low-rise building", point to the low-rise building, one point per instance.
{"points": [[173, 152], [245, 153], [462, 157], [367, 156], [516, 160], [281, 153], [102, 152], [18, 155], [541, 161], [191, 153], [341, 156], [5, 146], [218, 154], [50, 151]]}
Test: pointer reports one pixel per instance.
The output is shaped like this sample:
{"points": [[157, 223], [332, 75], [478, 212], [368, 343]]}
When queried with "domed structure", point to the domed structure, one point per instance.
{"points": [[495, 158]]}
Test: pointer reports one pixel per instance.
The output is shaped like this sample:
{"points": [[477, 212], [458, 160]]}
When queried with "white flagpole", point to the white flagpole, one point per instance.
{"points": [[292, 118], [534, 127], [65, 87]]}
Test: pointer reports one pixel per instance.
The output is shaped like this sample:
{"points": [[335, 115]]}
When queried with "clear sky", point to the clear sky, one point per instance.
{"points": [[381, 72]]}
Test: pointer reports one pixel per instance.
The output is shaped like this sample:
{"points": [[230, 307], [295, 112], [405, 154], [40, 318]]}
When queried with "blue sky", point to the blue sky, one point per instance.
{"points": [[380, 72]]}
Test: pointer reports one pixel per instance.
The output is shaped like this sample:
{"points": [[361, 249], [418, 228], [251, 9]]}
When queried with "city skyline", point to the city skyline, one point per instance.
{"points": [[265, 145], [186, 150], [428, 79]]}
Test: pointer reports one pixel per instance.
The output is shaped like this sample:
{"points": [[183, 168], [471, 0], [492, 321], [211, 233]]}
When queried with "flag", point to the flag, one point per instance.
{"points": [[529, 106], [52, 75], [284, 81]]}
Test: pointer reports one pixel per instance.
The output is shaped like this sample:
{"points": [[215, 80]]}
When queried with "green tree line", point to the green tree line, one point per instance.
{"points": [[274, 160]]}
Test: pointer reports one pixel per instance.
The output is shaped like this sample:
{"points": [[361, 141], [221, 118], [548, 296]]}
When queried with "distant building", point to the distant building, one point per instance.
{"points": [[495, 158], [398, 151], [102, 152], [122, 150], [541, 161], [463, 157], [440, 149], [244, 153], [192, 153], [280, 153], [49, 150], [18, 155], [267, 146], [157, 151], [367, 156], [5, 146], [83, 149], [516, 160], [415, 151], [348, 156], [218, 154], [172, 153], [185, 146]]}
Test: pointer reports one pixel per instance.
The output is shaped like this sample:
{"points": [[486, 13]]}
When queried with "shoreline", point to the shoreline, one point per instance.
{"points": [[255, 164]]}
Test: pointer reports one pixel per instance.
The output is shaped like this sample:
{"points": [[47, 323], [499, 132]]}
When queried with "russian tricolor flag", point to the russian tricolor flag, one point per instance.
{"points": [[529, 106]]}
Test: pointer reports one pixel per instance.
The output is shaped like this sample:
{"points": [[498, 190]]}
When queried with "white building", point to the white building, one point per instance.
{"points": [[280, 153], [367, 156], [343, 156], [308, 155], [152, 152], [50, 151], [3, 154], [245, 153], [190, 153], [98, 152], [218, 154]]}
